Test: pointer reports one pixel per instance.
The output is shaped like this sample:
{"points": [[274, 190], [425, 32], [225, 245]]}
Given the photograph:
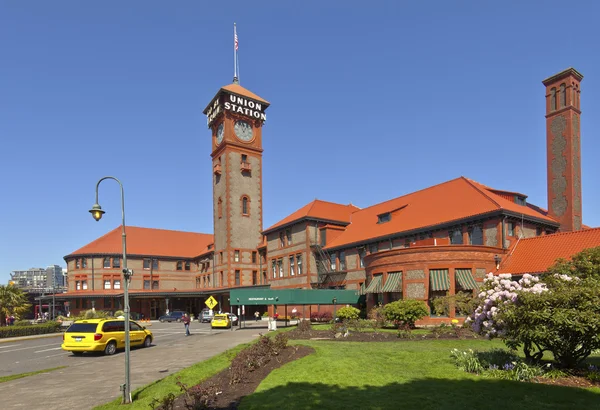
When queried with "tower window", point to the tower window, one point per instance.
{"points": [[476, 236], [553, 99], [520, 200], [236, 255], [220, 208], [383, 218], [244, 158], [245, 205], [511, 229], [563, 95], [456, 237]]}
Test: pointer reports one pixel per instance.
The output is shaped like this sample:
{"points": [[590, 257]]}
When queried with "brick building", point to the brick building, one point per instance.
{"points": [[442, 239]]}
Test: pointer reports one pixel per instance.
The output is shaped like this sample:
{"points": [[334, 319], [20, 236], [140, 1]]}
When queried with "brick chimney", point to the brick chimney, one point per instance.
{"points": [[563, 146]]}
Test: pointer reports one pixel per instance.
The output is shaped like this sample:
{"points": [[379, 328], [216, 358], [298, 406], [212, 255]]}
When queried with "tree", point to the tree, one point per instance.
{"points": [[405, 312], [12, 302], [559, 312]]}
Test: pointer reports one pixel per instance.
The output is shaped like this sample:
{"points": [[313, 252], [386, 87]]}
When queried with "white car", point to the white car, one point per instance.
{"points": [[233, 318]]}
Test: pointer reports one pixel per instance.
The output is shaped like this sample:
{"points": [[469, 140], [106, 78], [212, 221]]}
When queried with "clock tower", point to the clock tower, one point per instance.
{"points": [[235, 117]]}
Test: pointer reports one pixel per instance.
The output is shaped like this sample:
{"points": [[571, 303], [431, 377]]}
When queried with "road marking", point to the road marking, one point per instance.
{"points": [[6, 347], [47, 350], [26, 348]]}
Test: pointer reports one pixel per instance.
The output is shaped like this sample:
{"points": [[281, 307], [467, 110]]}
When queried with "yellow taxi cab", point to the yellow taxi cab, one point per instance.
{"points": [[221, 320], [103, 335]]}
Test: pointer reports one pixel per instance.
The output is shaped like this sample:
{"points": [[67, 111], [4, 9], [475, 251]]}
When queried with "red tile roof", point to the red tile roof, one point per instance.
{"points": [[450, 201], [239, 90], [536, 255], [148, 241], [317, 209]]}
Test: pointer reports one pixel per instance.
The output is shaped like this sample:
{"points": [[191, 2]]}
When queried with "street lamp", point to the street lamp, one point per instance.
{"points": [[97, 213], [334, 302]]}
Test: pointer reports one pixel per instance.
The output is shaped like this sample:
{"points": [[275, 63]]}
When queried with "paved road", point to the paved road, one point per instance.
{"points": [[90, 380]]}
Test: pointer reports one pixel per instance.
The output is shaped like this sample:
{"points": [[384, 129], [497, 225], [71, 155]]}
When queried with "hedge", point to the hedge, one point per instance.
{"points": [[39, 329]]}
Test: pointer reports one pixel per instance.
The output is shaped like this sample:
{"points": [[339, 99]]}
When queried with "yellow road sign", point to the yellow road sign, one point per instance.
{"points": [[211, 302]]}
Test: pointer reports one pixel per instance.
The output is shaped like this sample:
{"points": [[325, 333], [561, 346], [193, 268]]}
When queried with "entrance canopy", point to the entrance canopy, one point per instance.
{"points": [[293, 297]]}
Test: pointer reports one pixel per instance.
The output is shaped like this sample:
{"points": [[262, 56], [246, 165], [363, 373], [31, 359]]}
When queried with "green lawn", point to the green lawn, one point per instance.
{"points": [[405, 375], [21, 375]]}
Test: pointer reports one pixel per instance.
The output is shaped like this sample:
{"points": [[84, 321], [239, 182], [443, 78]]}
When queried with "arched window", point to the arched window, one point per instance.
{"points": [[245, 205], [220, 208], [553, 99], [563, 95]]}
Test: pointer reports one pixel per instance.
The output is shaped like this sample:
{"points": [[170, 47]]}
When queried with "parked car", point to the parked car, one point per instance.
{"points": [[221, 320], [233, 318], [103, 335], [174, 316], [205, 316]]}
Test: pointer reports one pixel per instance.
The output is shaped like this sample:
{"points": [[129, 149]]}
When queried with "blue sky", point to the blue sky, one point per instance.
{"points": [[370, 101]]}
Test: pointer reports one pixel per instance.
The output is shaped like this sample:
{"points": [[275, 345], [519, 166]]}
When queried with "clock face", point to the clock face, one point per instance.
{"points": [[243, 130], [220, 133]]}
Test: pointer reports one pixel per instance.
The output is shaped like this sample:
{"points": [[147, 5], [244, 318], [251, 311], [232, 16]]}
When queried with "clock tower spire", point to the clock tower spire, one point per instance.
{"points": [[235, 117]]}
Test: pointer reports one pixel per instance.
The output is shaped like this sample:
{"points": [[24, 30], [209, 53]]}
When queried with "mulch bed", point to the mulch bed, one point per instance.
{"points": [[570, 381], [354, 336], [231, 395]]}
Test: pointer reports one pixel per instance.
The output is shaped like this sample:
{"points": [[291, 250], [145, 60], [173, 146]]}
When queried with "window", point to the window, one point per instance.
{"points": [[538, 231], [77, 285], [280, 267], [146, 263], [361, 254], [220, 208], [237, 278], [187, 265], [245, 210], [244, 158], [254, 277], [563, 95], [155, 263], [107, 284], [221, 256], [146, 284], [222, 282], [274, 265], [117, 284], [333, 261], [179, 265], [264, 277], [288, 235], [323, 237], [116, 262], [299, 264], [456, 237], [574, 101], [476, 236], [254, 257], [77, 264], [236, 255], [520, 200], [511, 229], [107, 262], [292, 273], [342, 260], [553, 99], [84, 263], [373, 248], [84, 284], [281, 239], [383, 218]]}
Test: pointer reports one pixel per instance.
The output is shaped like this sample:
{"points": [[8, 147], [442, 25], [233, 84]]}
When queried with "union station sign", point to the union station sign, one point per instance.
{"points": [[236, 104]]}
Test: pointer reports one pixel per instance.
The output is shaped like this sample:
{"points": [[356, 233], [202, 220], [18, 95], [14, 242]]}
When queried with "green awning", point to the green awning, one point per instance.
{"points": [[439, 279], [393, 282], [465, 279], [361, 290], [375, 285]]}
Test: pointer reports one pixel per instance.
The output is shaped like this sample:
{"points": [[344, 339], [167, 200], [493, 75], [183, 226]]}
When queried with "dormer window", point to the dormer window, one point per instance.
{"points": [[520, 200], [383, 218]]}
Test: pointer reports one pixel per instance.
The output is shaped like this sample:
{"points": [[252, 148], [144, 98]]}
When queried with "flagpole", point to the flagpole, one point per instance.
{"points": [[235, 74]]}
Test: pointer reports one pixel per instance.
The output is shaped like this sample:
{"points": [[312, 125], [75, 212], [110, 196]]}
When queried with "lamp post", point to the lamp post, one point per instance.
{"points": [[334, 302], [97, 213]]}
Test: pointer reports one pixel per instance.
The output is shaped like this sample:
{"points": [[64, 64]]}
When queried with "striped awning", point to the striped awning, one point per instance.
{"points": [[465, 279], [393, 282], [375, 285], [439, 279], [361, 290]]}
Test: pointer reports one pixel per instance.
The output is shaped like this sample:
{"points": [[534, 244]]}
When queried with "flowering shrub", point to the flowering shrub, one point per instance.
{"points": [[559, 312], [496, 363], [348, 313]]}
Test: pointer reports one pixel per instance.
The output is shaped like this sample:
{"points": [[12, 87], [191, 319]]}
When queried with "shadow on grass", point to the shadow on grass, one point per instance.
{"points": [[424, 394]]}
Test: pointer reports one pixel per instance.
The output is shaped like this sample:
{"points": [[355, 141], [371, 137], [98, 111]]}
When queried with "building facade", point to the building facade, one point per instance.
{"points": [[441, 240]]}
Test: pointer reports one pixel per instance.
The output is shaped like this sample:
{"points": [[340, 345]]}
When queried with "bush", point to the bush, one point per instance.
{"points": [[376, 317], [266, 314], [22, 323], [38, 329], [464, 304], [256, 356], [467, 360], [405, 312], [320, 317], [119, 313], [348, 313], [304, 326]]}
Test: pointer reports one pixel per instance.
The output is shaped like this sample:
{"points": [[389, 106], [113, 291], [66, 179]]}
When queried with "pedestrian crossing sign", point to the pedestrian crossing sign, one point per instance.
{"points": [[211, 302]]}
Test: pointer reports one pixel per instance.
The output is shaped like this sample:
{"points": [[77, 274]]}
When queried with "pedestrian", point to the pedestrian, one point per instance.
{"points": [[256, 316], [186, 323]]}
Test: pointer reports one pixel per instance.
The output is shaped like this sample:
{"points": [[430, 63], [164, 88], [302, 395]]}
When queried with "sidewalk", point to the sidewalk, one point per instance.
{"points": [[92, 381]]}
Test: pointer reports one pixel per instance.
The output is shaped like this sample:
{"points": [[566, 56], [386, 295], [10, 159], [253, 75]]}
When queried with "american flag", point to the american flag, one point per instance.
{"points": [[235, 40]]}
